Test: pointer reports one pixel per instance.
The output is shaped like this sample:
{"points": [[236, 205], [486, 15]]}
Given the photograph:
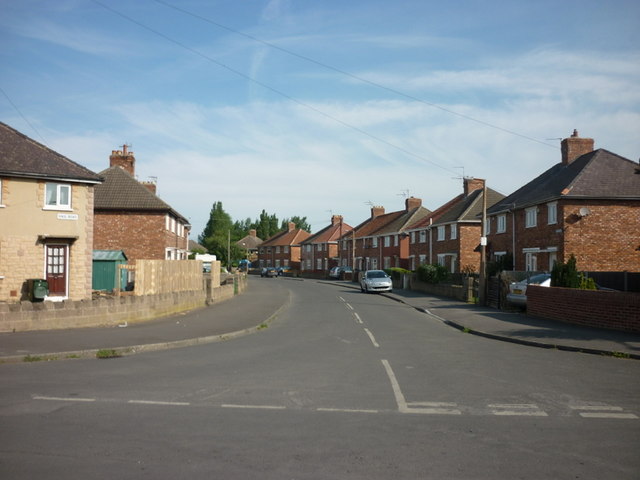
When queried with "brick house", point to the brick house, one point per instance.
{"points": [[250, 244], [283, 249], [319, 252], [129, 216], [451, 235], [382, 240], [587, 205], [46, 220]]}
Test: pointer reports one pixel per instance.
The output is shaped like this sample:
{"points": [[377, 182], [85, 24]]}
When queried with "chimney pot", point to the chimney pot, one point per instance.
{"points": [[377, 211], [412, 203]]}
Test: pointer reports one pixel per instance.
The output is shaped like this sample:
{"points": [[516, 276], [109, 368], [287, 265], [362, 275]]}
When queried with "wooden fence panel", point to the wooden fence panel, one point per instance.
{"points": [[154, 277]]}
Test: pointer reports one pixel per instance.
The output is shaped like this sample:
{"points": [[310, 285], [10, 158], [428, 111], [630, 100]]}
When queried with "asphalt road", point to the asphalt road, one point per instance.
{"points": [[340, 385]]}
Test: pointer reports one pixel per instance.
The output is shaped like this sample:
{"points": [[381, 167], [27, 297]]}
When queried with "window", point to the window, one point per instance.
{"points": [[552, 213], [413, 237], [319, 264], [386, 261], [374, 242], [57, 195], [531, 217], [502, 224], [387, 242], [423, 236], [285, 249], [422, 259], [277, 249], [454, 231], [441, 233], [531, 261], [308, 247], [395, 240]]}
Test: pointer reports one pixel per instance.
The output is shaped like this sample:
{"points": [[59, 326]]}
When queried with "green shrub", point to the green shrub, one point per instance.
{"points": [[565, 274], [432, 273]]}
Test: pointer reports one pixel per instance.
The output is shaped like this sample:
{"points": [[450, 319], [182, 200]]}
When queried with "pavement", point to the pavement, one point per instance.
{"points": [[260, 304]]}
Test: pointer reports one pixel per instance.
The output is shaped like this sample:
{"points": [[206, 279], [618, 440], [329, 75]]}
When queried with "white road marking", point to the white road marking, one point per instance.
{"points": [[603, 411], [372, 338], [342, 299], [518, 409], [358, 319], [64, 399], [259, 407], [345, 410], [395, 386], [153, 402], [349, 306]]}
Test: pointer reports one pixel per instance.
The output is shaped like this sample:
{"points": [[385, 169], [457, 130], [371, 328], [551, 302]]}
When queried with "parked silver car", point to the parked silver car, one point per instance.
{"points": [[518, 290], [375, 281]]}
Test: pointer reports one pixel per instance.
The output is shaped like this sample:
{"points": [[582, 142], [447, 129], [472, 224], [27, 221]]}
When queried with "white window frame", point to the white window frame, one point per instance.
{"points": [[387, 241], [441, 233], [422, 259], [318, 263], [413, 237], [552, 213], [374, 242], [453, 230], [423, 236], [285, 249], [531, 217], [395, 240], [58, 194], [501, 223]]}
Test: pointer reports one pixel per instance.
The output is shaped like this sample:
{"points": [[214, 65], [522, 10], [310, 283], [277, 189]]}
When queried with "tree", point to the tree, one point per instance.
{"points": [[300, 222], [266, 226], [216, 235]]}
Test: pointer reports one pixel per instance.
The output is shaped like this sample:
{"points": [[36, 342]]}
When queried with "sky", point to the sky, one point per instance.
{"points": [[321, 107]]}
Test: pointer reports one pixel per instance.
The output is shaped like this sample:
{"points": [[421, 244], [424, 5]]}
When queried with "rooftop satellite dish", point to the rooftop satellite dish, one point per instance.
{"points": [[584, 211]]}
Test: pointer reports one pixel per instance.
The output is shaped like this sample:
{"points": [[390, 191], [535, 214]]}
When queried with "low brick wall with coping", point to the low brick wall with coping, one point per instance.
{"points": [[591, 308], [112, 310]]}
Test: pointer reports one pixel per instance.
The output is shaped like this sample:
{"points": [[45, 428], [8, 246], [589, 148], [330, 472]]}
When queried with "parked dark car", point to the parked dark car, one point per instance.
{"points": [[338, 272], [269, 272], [282, 270]]}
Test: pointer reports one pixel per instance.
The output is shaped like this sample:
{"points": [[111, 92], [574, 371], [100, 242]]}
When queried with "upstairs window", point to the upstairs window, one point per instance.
{"points": [[387, 241], [57, 196], [531, 217], [552, 213], [454, 231], [441, 233], [374, 242], [502, 224], [423, 236], [413, 237]]}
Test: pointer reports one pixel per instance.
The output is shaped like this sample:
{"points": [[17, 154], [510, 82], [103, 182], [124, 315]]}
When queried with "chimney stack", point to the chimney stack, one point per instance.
{"points": [[574, 147], [253, 232], [292, 226], [472, 184], [123, 159], [412, 203], [336, 219], [377, 211], [151, 186]]}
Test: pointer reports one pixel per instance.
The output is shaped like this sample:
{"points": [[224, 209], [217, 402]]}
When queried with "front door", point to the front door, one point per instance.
{"points": [[57, 269]]}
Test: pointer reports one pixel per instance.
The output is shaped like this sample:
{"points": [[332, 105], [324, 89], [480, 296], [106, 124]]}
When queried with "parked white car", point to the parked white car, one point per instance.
{"points": [[518, 290], [375, 281]]}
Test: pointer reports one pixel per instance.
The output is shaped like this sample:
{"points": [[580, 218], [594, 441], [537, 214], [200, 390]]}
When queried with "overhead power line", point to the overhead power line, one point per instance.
{"points": [[349, 74], [270, 88]]}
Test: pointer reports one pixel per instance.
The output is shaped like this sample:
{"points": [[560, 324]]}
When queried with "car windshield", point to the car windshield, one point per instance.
{"points": [[538, 279], [376, 274]]}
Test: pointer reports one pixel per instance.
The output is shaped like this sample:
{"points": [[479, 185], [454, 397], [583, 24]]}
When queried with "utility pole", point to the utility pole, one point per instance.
{"points": [[482, 287]]}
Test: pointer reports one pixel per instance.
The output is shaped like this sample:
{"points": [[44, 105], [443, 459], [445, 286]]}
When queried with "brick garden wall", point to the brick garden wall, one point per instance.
{"points": [[591, 308], [110, 311]]}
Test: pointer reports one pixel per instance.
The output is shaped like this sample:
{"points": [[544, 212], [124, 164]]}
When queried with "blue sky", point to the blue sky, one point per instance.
{"points": [[314, 108]]}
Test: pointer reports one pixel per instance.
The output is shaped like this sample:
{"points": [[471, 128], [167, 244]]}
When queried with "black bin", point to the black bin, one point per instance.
{"points": [[38, 289]]}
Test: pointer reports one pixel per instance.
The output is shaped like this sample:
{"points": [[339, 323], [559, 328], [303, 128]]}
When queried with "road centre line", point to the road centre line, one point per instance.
{"points": [[358, 319], [342, 299], [258, 407], [522, 409], [372, 338], [349, 306], [346, 410], [64, 399], [154, 402]]}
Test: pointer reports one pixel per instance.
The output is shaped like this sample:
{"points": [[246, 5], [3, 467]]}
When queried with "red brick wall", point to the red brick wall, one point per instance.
{"points": [[605, 240], [592, 308], [140, 236]]}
